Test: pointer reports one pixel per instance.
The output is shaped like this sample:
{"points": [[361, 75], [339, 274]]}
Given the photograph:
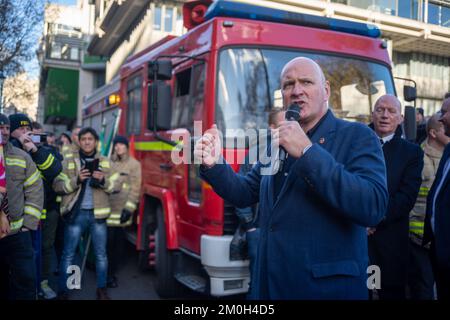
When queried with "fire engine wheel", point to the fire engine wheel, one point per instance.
{"points": [[166, 284]]}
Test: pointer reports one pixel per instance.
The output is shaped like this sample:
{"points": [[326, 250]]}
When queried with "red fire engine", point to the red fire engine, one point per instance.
{"points": [[224, 70]]}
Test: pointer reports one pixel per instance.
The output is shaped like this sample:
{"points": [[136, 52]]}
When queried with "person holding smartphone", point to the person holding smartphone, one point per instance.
{"points": [[20, 212], [29, 137], [85, 185]]}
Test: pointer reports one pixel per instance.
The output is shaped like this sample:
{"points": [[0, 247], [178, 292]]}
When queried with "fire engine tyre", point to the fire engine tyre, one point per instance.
{"points": [[166, 284]]}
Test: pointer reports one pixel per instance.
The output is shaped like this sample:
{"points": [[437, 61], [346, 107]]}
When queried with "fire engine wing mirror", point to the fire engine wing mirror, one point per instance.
{"points": [[160, 70], [409, 123], [159, 113], [409, 93]]}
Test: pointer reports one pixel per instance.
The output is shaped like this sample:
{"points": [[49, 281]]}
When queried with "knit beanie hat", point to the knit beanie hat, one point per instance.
{"points": [[18, 120], [120, 139]]}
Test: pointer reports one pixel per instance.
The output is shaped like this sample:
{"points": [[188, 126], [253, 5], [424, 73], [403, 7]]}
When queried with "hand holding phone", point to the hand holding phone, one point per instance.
{"points": [[38, 138], [83, 175], [91, 165]]}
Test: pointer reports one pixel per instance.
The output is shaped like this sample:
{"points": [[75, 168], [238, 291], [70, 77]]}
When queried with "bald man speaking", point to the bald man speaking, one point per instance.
{"points": [[313, 213]]}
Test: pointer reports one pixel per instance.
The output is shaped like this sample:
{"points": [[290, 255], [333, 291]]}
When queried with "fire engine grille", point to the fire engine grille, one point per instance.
{"points": [[230, 219]]}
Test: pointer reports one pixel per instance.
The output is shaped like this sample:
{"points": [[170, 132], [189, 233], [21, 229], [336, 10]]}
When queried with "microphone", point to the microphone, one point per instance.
{"points": [[292, 114]]}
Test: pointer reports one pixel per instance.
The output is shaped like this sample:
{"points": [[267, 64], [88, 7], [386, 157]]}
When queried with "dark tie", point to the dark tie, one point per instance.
{"points": [[382, 142]]}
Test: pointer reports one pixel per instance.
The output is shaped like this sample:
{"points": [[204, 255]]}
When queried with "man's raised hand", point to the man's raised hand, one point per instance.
{"points": [[208, 148]]}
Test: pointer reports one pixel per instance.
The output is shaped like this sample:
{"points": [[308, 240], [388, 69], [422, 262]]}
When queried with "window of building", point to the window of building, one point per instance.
{"points": [[99, 79], [439, 13], [409, 9], [55, 52], [403, 8], [168, 20], [445, 17], [74, 53], [157, 18], [179, 23], [433, 13], [134, 102]]}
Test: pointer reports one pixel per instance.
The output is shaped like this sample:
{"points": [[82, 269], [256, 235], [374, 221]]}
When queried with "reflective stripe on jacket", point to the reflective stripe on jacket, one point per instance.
{"points": [[24, 189], [66, 185]]}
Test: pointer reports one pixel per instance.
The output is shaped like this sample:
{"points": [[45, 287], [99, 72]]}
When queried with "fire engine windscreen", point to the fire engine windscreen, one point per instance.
{"points": [[249, 86]]}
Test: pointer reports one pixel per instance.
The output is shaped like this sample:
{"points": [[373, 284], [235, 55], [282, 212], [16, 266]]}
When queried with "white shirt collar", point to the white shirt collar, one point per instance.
{"points": [[388, 138]]}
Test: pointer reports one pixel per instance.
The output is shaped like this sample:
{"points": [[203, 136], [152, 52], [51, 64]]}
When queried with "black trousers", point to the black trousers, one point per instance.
{"points": [[441, 275], [115, 249], [17, 267], [420, 273], [49, 227]]}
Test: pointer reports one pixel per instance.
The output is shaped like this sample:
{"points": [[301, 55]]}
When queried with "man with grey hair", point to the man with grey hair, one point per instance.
{"points": [[313, 212], [388, 240]]}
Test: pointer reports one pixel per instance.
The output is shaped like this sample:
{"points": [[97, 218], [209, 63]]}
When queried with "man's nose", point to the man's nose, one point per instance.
{"points": [[298, 89], [385, 113]]}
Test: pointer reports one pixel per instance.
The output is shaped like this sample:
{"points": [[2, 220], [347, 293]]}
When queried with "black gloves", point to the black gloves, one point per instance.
{"points": [[125, 216], [95, 183]]}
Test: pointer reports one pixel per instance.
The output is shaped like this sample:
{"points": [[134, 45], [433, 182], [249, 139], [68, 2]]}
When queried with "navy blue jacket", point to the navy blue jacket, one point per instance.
{"points": [[313, 236], [388, 246], [441, 236]]}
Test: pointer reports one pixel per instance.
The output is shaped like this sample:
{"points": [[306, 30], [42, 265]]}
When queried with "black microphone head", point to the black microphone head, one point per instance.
{"points": [[293, 112]]}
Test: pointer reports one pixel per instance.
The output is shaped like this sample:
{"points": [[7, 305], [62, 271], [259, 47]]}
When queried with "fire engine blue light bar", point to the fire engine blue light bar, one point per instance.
{"points": [[227, 8]]}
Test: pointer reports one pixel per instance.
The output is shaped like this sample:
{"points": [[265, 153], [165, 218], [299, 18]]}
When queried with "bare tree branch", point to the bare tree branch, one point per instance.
{"points": [[20, 22]]}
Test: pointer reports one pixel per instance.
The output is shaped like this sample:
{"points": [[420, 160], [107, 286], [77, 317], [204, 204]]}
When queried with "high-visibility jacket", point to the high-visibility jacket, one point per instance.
{"points": [[130, 179], [69, 149], [432, 156], [66, 184], [49, 164], [24, 189]]}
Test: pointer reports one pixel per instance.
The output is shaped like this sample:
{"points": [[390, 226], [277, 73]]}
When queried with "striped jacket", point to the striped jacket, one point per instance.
{"points": [[431, 159], [66, 184], [24, 188], [130, 179]]}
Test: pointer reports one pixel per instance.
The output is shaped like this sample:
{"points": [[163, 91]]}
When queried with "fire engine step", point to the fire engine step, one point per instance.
{"points": [[193, 282]]}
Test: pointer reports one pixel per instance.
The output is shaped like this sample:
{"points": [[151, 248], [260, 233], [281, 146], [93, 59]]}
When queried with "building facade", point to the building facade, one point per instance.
{"points": [[67, 72], [125, 27], [417, 33], [109, 31]]}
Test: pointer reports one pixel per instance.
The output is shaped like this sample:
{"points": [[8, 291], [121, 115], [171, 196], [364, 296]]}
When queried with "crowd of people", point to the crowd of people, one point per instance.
{"points": [[347, 196], [55, 192]]}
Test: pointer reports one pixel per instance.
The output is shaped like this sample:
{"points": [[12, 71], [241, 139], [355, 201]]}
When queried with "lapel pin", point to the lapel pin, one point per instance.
{"points": [[322, 140]]}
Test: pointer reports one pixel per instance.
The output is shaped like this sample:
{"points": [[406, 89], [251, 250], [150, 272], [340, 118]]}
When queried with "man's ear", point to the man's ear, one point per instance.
{"points": [[432, 133], [327, 90]]}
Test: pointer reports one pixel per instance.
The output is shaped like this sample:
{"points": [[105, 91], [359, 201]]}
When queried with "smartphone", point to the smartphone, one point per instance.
{"points": [[39, 138], [91, 164]]}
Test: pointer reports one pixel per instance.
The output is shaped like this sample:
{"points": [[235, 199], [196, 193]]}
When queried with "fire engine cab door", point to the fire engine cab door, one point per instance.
{"points": [[187, 110]]}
